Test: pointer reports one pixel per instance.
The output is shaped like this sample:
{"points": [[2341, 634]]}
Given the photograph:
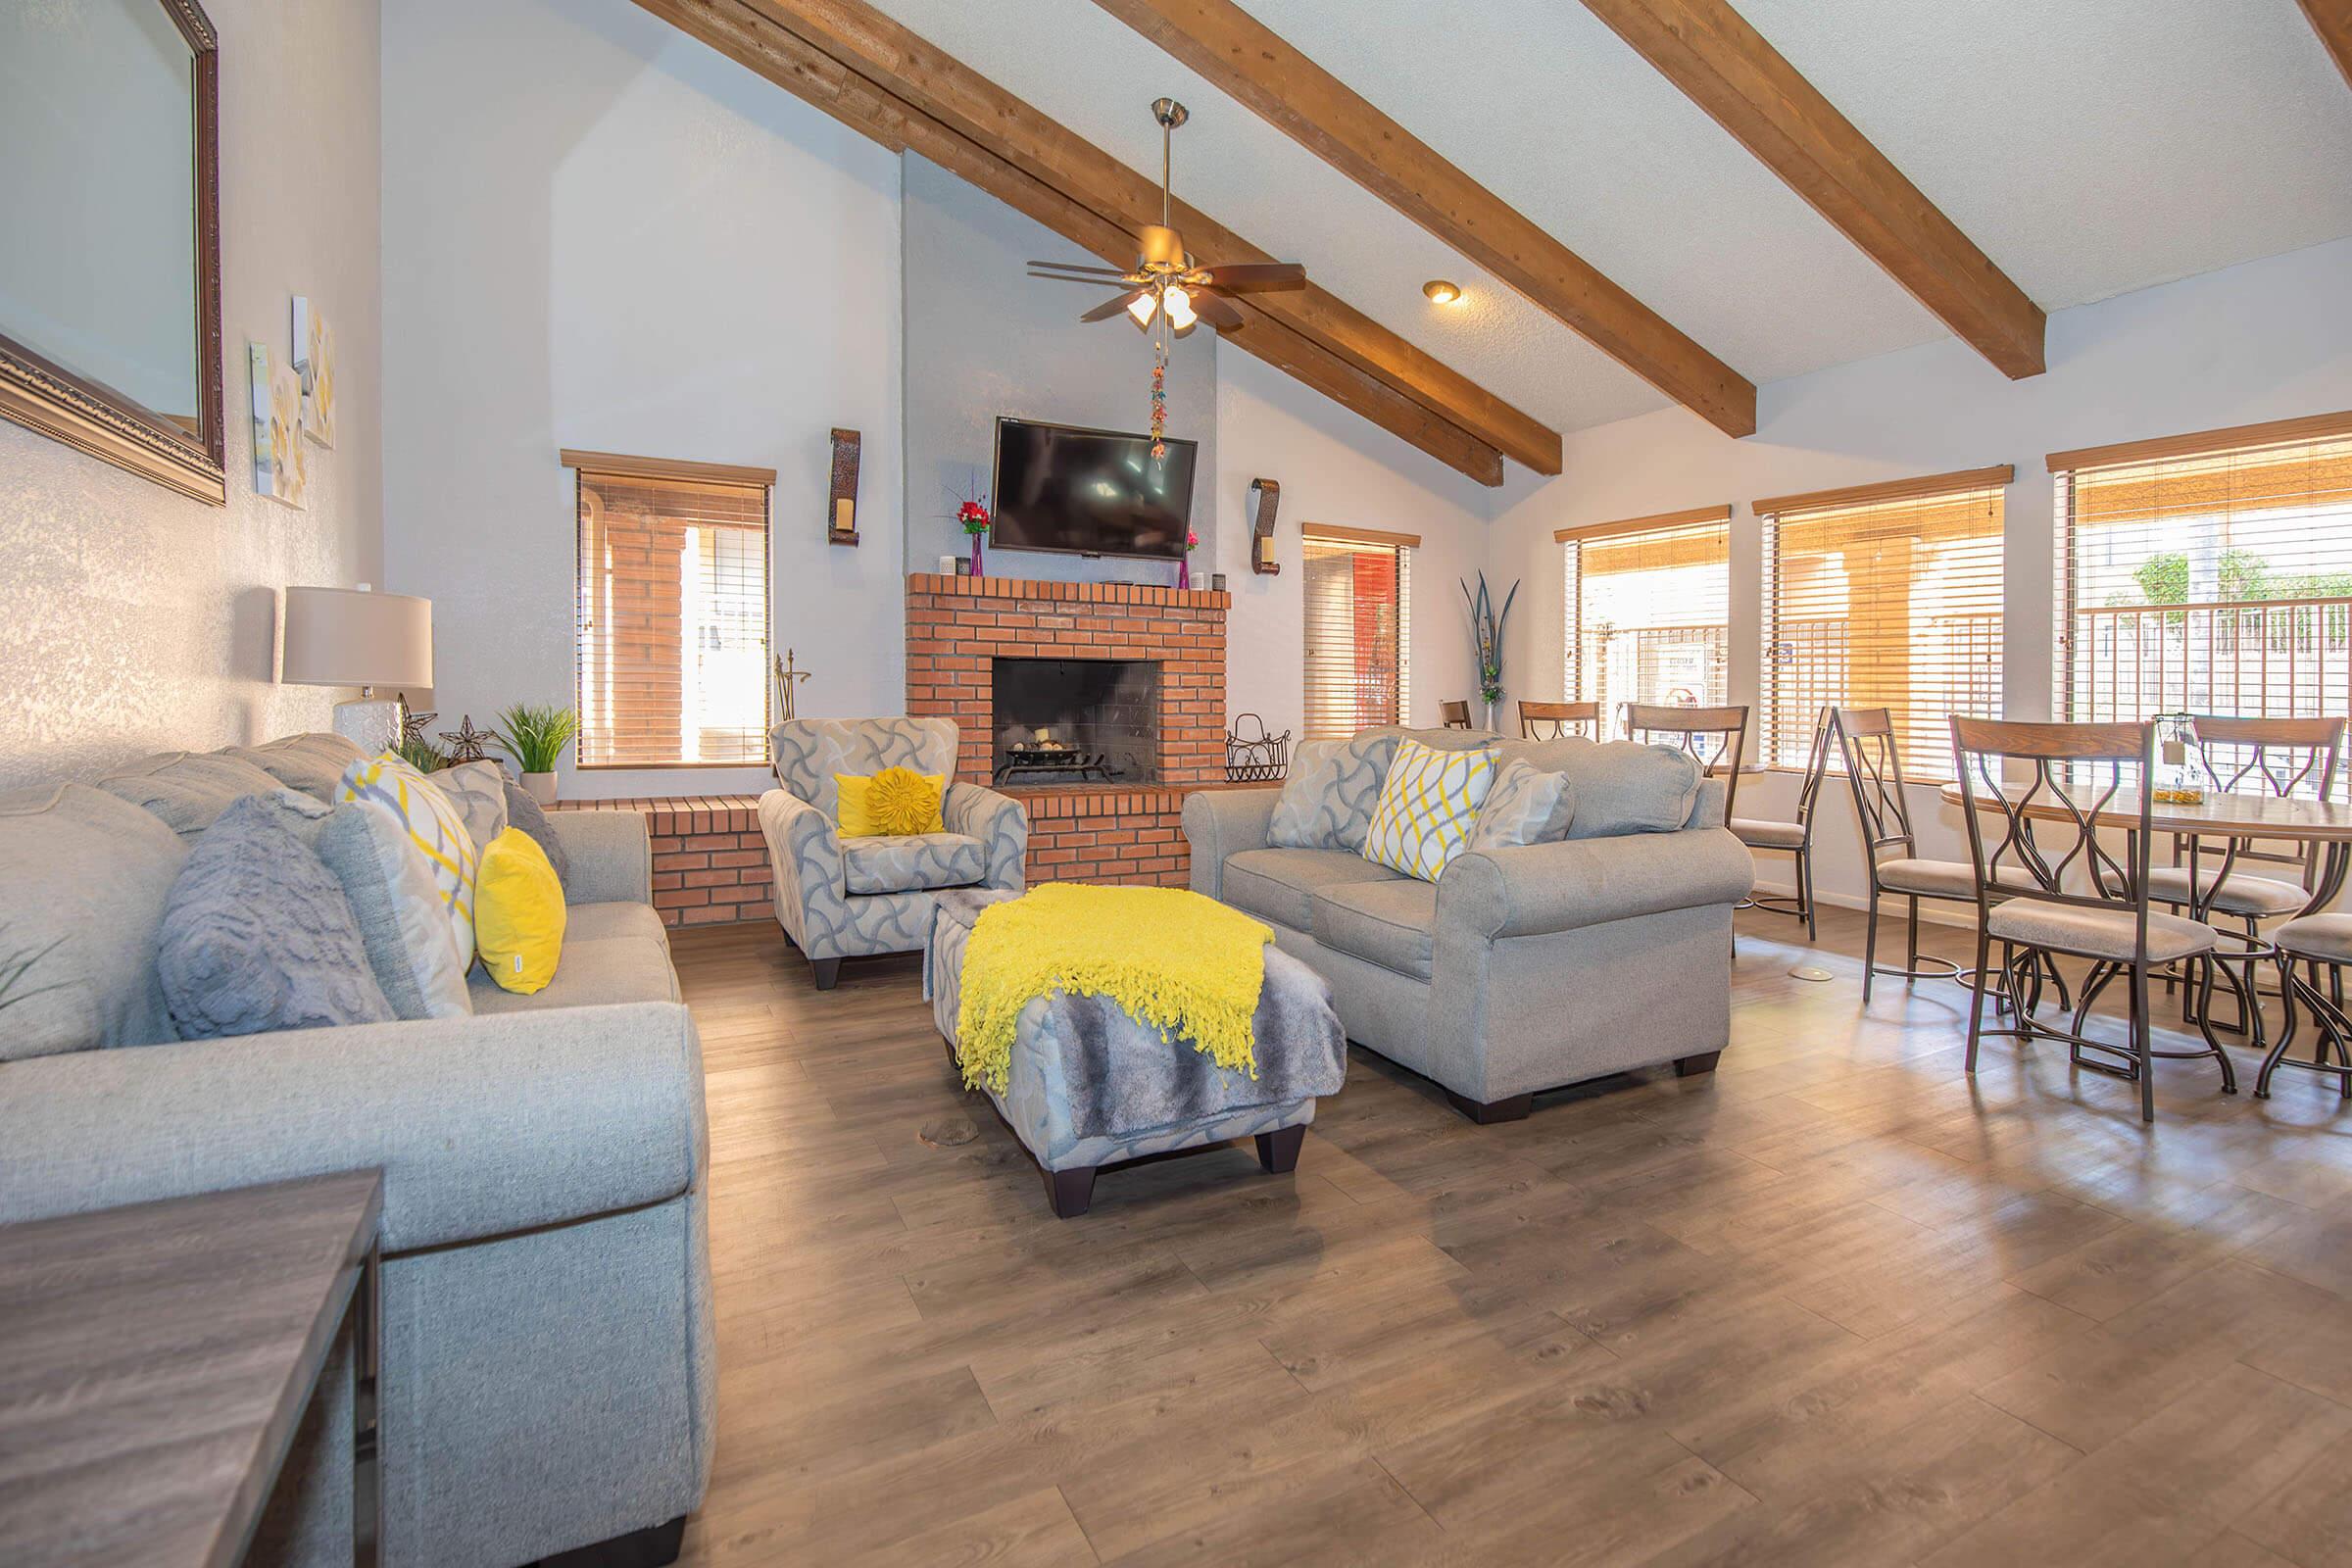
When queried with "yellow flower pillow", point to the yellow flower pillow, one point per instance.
{"points": [[1428, 805], [896, 802], [519, 914]]}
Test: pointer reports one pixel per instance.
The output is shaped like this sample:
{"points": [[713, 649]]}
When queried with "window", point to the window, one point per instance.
{"points": [[673, 613], [1360, 598], [2207, 574], [1883, 595], [1647, 601]]}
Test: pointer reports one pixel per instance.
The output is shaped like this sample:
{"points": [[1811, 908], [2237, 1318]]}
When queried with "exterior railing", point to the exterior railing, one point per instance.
{"points": [[2266, 658]]}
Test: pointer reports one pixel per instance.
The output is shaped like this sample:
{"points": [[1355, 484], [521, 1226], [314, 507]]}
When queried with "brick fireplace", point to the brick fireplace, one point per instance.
{"points": [[1133, 675]]}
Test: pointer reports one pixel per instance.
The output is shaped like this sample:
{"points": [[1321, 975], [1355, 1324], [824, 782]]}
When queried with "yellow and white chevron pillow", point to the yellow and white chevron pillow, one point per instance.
{"points": [[1428, 805], [434, 825]]}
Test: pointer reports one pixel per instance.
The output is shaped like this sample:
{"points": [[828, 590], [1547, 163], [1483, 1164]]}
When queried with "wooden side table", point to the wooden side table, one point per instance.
{"points": [[156, 1359]]}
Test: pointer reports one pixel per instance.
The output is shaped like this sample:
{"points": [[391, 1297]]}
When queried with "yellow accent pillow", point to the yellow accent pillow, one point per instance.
{"points": [[895, 802], [519, 914]]}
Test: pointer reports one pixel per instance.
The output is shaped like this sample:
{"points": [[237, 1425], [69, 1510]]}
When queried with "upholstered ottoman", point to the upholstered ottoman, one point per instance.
{"points": [[1089, 1087]]}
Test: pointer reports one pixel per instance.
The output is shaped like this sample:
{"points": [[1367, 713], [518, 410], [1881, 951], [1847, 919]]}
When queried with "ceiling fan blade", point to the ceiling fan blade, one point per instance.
{"points": [[1095, 282], [1081, 267], [1110, 308], [1215, 312], [1247, 275]]}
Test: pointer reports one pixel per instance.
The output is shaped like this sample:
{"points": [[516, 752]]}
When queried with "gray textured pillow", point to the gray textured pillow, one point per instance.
{"points": [[1326, 801], [258, 935], [479, 790], [404, 925], [525, 817], [312, 763], [1526, 806], [189, 792]]}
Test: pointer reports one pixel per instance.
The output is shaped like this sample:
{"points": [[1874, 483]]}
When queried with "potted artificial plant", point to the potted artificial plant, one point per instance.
{"points": [[534, 737]]}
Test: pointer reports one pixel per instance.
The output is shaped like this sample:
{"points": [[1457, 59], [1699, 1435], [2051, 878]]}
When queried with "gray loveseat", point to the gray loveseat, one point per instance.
{"points": [[842, 898], [1520, 969], [547, 1376]]}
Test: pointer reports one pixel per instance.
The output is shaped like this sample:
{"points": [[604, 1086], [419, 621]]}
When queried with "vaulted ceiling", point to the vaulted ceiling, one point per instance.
{"points": [[2085, 149]]}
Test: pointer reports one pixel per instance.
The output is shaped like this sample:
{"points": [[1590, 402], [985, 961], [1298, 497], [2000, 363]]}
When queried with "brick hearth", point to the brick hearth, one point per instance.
{"points": [[957, 626]]}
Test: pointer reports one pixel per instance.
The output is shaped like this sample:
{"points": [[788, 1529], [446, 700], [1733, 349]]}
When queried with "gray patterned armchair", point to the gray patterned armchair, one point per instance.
{"points": [[841, 899]]}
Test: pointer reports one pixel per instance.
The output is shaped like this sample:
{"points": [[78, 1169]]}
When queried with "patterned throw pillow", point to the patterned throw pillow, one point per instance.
{"points": [[1428, 809], [434, 827], [404, 924], [1526, 806], [479, 790], [1326, 801], [258, 934]]}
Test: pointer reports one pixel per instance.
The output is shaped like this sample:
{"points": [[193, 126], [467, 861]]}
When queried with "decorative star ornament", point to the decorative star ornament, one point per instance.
{"points": [[411, 722], [465, 742]]}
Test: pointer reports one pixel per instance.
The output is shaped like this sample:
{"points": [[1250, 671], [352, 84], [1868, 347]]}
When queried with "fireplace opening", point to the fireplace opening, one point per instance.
{"points": [[1076, 721]]}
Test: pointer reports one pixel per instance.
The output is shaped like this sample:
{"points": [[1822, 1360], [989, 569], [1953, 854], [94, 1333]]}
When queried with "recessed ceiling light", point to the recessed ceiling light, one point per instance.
{"points": [[1441, 292]]}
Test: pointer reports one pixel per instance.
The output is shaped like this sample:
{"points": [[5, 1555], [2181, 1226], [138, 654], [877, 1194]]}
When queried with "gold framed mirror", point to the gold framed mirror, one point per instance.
{"points": [[109, 234]]}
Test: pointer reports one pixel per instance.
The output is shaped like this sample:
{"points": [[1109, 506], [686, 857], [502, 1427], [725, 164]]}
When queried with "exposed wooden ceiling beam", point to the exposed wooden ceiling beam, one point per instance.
{"points": [[1250, 62], [933, 82], [2331, 19], [1725, 66], [783, 57]]}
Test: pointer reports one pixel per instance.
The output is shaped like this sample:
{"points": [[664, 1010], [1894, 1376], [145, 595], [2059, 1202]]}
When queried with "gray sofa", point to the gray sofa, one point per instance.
{"points": [[844, 898], [547, 1375], [1520, 969]]}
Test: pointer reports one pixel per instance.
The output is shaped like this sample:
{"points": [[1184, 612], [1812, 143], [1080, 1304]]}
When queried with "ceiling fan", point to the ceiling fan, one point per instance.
{"points": [[1167, 283]]}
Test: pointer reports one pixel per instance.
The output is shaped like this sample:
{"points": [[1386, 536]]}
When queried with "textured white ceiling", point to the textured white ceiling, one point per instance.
{"points": [[2089, 147]]}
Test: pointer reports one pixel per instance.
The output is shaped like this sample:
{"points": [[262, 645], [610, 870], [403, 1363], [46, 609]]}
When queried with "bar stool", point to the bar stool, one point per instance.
{"points": [[1794, 838], [1716, 736], [1534, 717], [1453, 716]]}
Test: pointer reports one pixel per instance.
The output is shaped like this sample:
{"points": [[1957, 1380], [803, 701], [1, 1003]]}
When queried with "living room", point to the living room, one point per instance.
{"points": [[1608, 829]]}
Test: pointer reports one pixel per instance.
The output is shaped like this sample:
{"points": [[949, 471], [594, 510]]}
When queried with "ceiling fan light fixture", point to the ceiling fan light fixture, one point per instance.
{"points": [[1178, 300], [1141, 308], [1441, 292]]}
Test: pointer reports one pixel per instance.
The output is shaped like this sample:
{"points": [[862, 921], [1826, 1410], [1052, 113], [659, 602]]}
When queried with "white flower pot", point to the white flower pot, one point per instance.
{"points": [[540, 787]]}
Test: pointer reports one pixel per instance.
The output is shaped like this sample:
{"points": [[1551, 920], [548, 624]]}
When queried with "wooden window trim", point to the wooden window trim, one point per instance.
{"points": [[1997, 478], [629, 467], [2202, 443], [1359, 536], [1657, 520]]}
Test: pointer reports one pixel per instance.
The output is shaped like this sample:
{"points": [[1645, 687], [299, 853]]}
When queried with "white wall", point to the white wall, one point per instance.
{"points": [[2268, 340], [1334, 467], [602, 234], [140, 620]]}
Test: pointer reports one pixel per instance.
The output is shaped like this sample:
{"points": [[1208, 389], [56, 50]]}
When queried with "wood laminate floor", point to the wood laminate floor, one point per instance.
{"points": [[1835, 1304]]}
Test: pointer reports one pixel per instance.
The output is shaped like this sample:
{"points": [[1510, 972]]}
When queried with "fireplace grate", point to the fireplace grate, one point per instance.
{"points": [[1050, 758]]}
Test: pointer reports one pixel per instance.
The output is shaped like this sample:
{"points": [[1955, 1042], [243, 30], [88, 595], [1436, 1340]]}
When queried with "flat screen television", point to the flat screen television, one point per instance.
{"points": [[1089, 492]]}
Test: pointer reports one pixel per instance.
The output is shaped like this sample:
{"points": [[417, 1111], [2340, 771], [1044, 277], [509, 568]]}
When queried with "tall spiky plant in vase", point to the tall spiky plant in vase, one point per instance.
{"points": [[535, 736], [1485, 634]]}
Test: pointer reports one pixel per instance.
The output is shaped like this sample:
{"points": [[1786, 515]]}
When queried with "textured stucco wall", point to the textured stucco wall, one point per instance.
{"points": [[138, 620], [602, 234]]}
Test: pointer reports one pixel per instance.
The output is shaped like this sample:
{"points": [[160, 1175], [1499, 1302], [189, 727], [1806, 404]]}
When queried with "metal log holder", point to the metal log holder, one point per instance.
{"points": [[1255, 758]]}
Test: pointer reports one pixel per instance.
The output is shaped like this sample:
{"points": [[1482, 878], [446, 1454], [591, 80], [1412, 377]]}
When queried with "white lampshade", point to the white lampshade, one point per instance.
{"points": [[351, 637]]}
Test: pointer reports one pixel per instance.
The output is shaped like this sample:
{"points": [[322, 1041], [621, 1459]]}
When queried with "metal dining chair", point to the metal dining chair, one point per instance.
{"points": [[1891, 859], [2317, 943], [1716, 736], [2084, 902], [2276, 757], [1550, 722], [1453, 716], [1794, 838]]}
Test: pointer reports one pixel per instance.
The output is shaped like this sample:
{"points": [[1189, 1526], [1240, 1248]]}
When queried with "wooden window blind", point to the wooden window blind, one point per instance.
{"points": [[672, 619], [1890, 599], [1360, 597], [1647, 612], [2213, 581]]}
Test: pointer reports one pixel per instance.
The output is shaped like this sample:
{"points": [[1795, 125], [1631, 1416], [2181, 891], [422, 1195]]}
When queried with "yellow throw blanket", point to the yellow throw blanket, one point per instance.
{"points": [[1177, 961]]}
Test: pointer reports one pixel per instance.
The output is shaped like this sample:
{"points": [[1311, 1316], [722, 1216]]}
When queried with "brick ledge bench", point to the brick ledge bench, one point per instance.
{"points": [[709, 861]]}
